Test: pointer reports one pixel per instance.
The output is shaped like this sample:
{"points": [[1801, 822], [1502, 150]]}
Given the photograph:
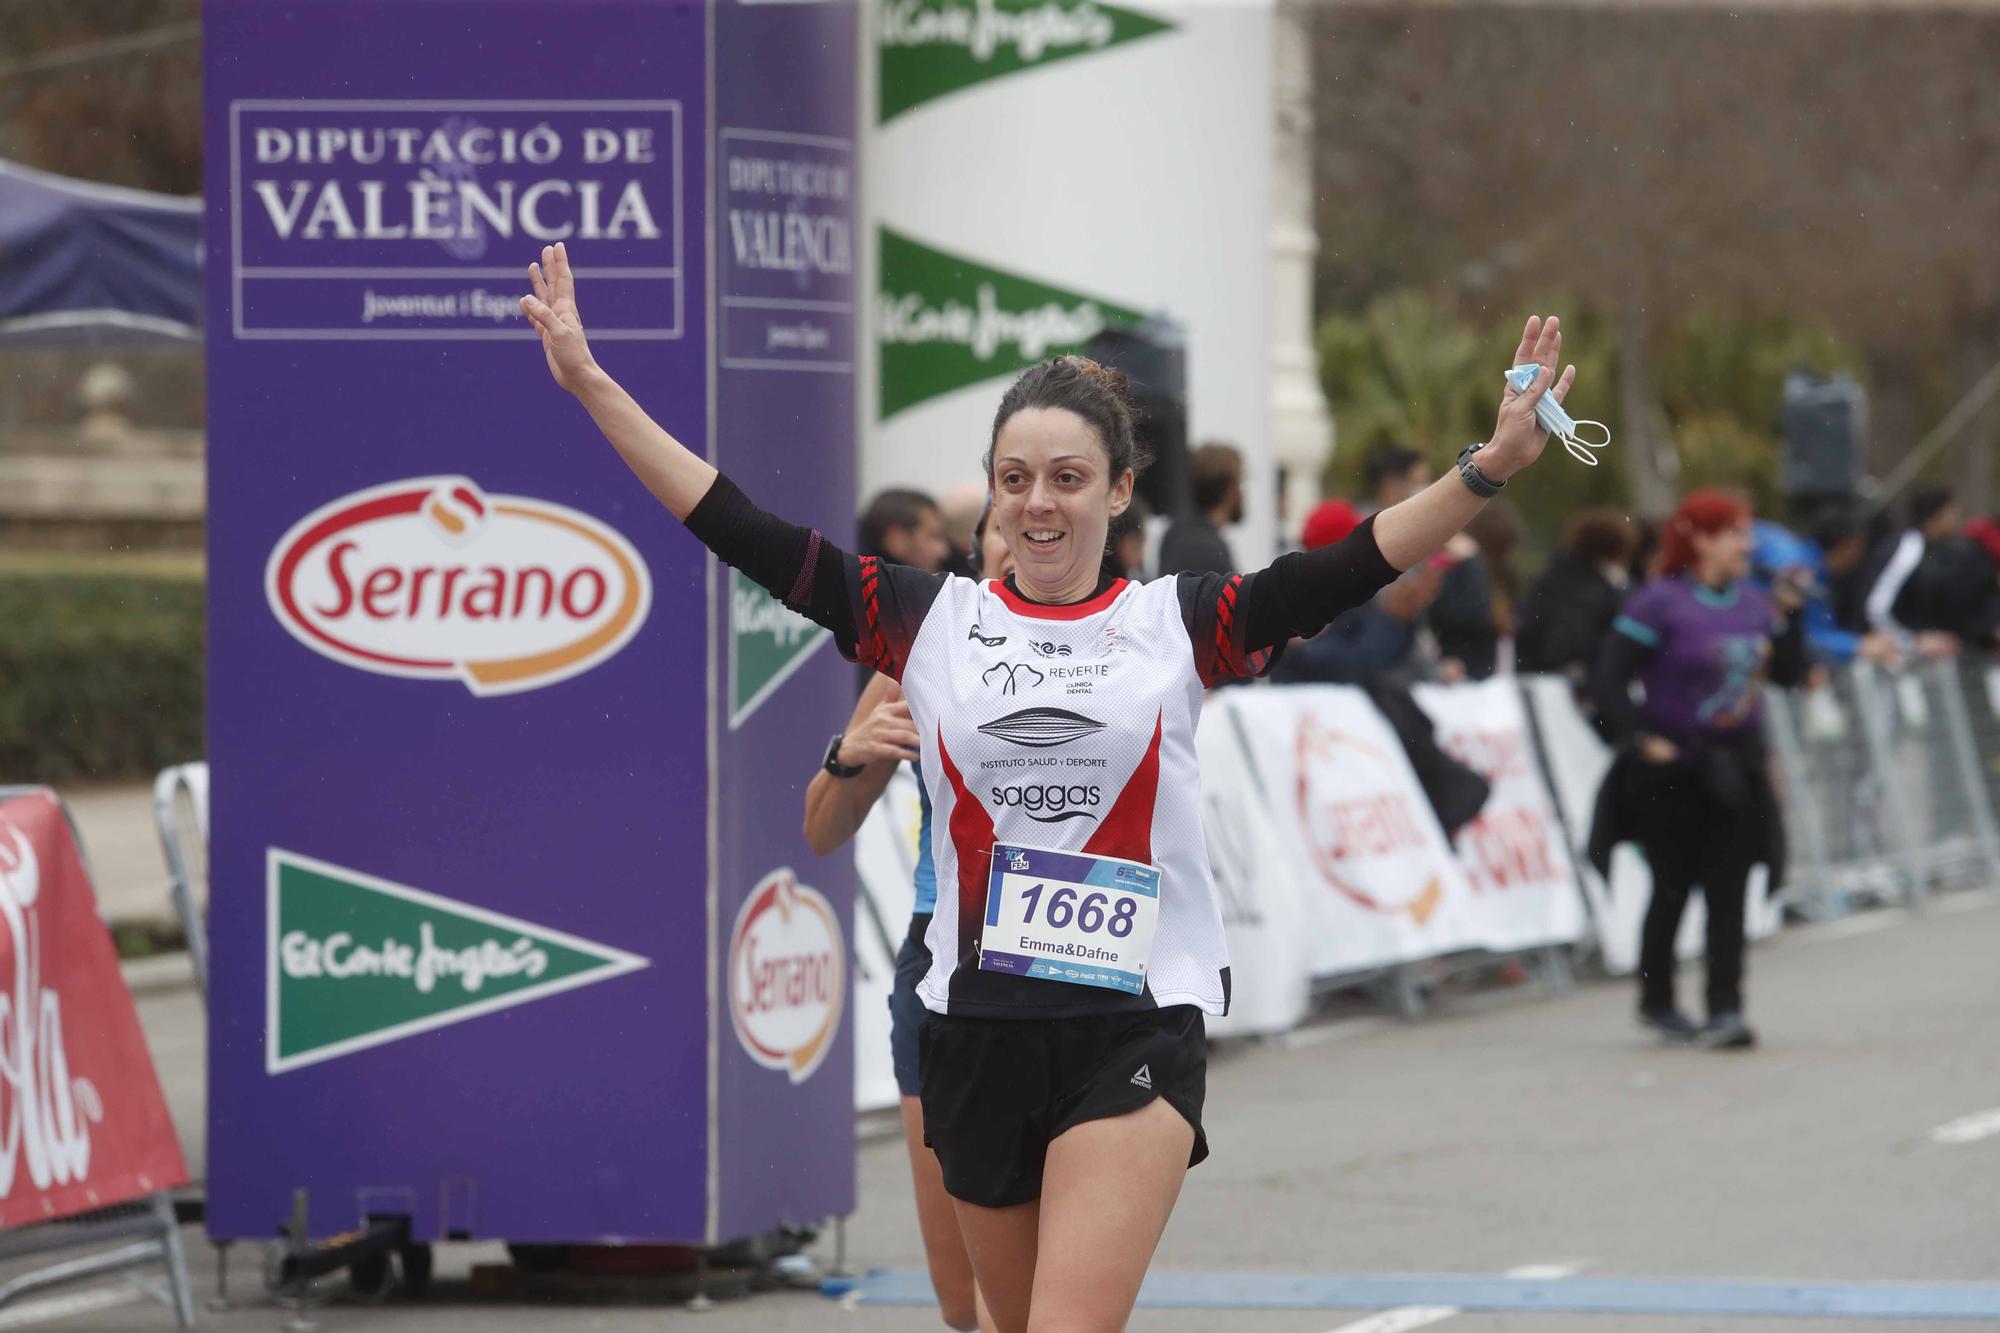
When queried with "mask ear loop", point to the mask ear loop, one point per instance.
{"points": [[1582, 450]]}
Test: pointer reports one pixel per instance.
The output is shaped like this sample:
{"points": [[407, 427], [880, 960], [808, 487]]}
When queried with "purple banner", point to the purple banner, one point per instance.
{"points": [[471, 941], [407, 218], [784, 240]]}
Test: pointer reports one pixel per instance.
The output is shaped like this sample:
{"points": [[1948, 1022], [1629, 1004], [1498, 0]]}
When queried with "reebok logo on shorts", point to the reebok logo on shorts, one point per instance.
{"points": [[1144, 1078]]}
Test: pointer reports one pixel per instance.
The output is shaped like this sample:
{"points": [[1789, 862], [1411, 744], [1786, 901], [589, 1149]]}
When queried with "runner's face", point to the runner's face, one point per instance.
{"points": [[1054, 499]]}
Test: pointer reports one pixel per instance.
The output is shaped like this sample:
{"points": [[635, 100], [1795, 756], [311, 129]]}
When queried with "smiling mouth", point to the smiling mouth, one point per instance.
{"points": [[1042, 539]]}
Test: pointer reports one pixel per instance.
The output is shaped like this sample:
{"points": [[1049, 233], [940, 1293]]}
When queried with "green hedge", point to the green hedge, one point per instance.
{"points": [[100, 674]]}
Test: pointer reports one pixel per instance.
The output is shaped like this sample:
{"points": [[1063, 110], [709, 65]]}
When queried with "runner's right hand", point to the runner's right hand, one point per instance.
{"points": [[886, 733], [552, 310]]}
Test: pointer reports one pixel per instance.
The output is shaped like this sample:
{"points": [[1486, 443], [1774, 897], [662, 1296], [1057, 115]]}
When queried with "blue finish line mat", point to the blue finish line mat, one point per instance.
{"points": [[1571, 1295]]}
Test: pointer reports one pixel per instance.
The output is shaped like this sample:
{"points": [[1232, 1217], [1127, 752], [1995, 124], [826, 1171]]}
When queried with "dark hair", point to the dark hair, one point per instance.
{"points": [[1835, 526], [1131, 521], [1601, 536], [1212, 470], [1926, 502], [1098, 394], [889, 510], [1385, 461]]}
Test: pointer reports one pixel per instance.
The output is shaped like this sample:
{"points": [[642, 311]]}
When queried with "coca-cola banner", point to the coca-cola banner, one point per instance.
{"points": [[82, 1121], [514, 928]]}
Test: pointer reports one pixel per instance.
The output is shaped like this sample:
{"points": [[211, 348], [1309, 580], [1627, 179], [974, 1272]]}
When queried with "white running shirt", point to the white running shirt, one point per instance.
{"points": [[1063, 727]]}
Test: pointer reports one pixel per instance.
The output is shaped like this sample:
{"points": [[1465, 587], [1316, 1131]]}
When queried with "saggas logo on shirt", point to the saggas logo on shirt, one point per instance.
{"points": [[944, 321], [934, 47]]}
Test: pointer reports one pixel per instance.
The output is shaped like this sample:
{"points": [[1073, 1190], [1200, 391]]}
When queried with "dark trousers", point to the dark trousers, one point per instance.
{"points": [[1695, 837]]}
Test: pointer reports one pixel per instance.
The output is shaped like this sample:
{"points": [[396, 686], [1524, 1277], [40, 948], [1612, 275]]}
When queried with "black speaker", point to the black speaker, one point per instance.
{"points": [[1826, 435], [1154, 358]]}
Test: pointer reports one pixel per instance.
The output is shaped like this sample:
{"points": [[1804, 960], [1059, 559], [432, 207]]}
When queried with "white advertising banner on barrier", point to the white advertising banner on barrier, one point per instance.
{"points": [[1379, 882], [1263, 909], [885, 853], [1524, 890]]}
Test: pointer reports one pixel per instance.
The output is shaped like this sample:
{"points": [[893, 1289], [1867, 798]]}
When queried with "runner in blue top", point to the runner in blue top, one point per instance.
{"points": [[859, 764]]}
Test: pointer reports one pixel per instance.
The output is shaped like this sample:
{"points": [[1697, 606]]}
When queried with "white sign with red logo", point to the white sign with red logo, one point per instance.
{"points": [[1524, 886], [83, 1124], [787, 975], [1382, 884], [433, 579]]}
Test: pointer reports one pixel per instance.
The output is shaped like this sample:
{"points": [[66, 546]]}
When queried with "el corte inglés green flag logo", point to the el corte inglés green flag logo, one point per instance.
{"points": [[767, 643], [357, 961], [933, 47], [943, 322]]}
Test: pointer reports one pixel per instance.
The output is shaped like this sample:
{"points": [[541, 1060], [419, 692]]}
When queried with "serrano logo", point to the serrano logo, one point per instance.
{"points": [[1051, 802], [1042, 728], [433, 579], [786, 975]]}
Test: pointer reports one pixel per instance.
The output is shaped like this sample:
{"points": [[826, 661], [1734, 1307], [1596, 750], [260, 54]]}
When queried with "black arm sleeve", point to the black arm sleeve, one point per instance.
{"points": [[1789, 663], [795, 565], [1299, 594], [874, 608], [1618, 661]]}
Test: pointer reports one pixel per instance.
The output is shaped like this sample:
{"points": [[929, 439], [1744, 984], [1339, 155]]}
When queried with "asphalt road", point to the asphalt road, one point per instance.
{"points": [[1506, 1133]]}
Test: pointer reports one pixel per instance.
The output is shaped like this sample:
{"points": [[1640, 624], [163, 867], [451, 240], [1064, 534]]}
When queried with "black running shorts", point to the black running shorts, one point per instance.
{"points": [[996, 1092]]}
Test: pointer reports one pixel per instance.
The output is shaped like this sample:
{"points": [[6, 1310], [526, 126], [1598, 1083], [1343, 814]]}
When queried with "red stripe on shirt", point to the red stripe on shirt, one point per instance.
{"points": [[972, 837], [1126, 831]]}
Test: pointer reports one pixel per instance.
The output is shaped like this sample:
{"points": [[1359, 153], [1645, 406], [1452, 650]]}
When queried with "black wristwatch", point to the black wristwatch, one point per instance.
{"points": [[832, 762], [1476, 481]]}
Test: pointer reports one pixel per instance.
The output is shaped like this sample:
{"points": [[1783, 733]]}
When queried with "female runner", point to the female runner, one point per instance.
{"points": [[1077, 941]]}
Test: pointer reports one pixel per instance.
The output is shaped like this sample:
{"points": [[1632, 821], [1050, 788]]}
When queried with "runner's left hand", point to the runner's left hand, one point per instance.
{"points": [[1518, 439]]}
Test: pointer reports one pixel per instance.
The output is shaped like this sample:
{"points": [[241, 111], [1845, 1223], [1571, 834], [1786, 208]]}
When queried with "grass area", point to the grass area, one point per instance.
{"points": [[180, 566]]}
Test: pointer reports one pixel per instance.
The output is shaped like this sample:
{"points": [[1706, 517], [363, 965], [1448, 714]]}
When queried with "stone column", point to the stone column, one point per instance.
{"points": [[1301, 425]]}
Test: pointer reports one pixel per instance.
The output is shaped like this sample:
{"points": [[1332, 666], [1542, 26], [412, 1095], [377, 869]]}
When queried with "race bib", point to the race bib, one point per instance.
{"points": [[1064, 916]]}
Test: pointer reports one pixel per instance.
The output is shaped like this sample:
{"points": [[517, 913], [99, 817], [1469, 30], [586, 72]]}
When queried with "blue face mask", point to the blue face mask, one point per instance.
{"points": [[1557, 422]]}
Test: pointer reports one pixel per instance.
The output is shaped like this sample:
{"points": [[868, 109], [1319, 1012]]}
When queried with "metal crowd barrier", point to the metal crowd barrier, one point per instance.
{"points": [[1887, 788]]}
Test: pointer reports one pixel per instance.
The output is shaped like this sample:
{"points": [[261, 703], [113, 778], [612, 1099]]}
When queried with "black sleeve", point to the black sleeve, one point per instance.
{"points": [[1237, 621], [1299, 594], [1789, 663], [874, 608], [1619, 659]]}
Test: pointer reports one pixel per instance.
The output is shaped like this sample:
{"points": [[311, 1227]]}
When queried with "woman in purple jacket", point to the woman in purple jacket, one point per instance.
{"points": [[1692, 786]]}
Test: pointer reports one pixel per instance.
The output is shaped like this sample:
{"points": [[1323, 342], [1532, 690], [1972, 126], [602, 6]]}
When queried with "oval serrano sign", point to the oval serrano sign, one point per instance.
{"points": [[433, 579], [787, 975]]}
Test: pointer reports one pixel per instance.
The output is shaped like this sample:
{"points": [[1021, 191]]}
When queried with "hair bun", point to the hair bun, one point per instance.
{"points": [[1108, 377]]}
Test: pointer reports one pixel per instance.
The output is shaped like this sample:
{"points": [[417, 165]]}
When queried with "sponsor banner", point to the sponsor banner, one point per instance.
{"points": [[433, 579], [767, 643], [373, 218], [785, 110], [1382, 884], [83, 1124], [1264, 914], [943, 321], [357, 962], [931, 48], [458, 657], [786, 265], [787, 975], [1169, 214], [1514, 854]]}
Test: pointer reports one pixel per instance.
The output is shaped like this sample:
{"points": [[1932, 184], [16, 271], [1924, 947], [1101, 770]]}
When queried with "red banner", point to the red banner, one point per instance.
{"points": [[83, 1123]]}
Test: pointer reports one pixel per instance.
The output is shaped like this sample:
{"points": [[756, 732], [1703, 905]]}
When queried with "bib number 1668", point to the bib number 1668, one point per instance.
{"points": [[1090, 913]]}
